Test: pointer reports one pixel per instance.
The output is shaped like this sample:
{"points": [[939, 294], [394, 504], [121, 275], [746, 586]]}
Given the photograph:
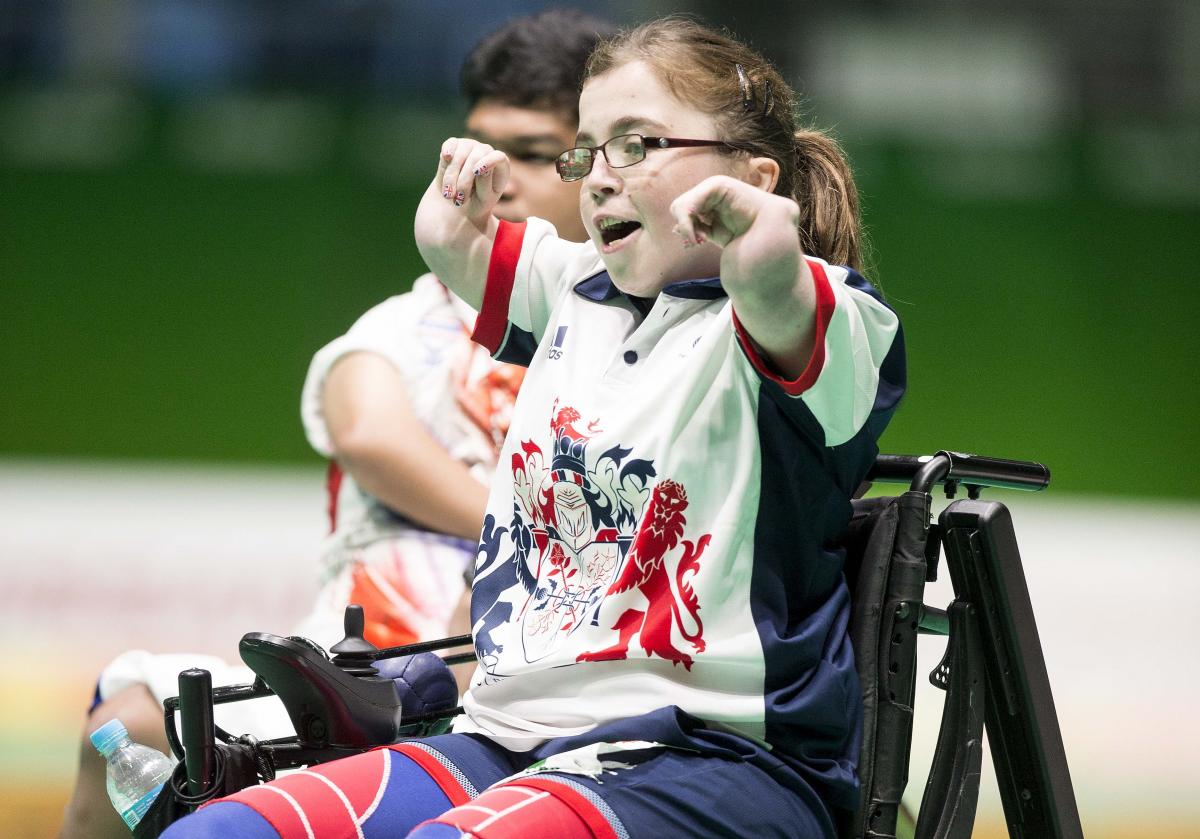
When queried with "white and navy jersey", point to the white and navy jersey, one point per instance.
{"points": [[655, 533]]}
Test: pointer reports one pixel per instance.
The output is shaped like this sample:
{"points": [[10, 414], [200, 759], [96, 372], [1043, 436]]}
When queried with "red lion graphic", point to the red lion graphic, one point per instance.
{"points": [[645, 568], [564, 421]]}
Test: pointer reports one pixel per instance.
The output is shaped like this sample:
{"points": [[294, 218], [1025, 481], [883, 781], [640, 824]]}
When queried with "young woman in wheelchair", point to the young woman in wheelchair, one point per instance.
{"points": [[660, 629]]}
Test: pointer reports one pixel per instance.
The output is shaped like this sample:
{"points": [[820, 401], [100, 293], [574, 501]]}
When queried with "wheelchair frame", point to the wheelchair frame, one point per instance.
{"points": [[993, 670]]}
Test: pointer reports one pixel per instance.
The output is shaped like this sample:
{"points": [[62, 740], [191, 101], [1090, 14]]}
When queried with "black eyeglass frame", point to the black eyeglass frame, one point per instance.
{"points": [[647, 144]]}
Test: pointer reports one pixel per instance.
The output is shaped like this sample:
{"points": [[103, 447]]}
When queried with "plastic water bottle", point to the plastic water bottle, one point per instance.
{"points": [[136, 773]]}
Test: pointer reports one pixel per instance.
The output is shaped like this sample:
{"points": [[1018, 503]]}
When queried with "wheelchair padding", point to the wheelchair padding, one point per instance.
{"points": [[885, 565]]}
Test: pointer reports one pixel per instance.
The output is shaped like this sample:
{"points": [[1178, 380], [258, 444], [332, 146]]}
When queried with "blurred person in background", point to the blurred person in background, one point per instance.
{"points": [[411, 414]]}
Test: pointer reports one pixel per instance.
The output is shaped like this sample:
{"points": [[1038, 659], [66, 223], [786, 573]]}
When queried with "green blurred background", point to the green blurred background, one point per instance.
{"points": [[176, 241], [195, 195]]}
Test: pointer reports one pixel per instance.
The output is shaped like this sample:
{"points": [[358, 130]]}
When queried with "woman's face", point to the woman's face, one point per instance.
{"points": [[643, 254]]}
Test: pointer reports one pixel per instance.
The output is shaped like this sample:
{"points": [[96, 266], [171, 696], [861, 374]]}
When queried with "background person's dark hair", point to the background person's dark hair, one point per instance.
{"points": [[535, 62]]}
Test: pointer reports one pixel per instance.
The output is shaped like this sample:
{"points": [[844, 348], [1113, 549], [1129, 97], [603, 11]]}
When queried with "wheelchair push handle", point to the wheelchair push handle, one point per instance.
{"points": [[923, 472]]}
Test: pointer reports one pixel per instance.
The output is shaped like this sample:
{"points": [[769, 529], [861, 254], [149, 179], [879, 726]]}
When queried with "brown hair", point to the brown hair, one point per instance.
{"points": [[756, 111]]}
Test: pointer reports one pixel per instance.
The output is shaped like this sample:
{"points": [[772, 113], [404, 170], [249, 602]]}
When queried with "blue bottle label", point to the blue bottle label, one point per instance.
{"points": [[137, 809]]}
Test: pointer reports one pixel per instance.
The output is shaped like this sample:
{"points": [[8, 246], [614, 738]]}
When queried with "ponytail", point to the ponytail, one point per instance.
{"points": [[830, 224]]}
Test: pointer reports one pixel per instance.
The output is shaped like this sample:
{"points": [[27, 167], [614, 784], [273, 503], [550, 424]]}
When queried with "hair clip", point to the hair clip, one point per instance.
{"points": [[747, 88], [748, 97]]}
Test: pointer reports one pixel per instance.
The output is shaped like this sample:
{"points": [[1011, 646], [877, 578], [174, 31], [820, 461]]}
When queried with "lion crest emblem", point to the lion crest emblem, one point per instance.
{"points": [[589, 526]]}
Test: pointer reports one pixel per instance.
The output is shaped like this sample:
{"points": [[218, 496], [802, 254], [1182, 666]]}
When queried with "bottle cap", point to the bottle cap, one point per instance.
{"points": [[108, 736]]}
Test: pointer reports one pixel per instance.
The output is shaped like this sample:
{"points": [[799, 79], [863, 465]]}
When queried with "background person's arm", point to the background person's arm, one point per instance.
{"points": [[380, 442]]}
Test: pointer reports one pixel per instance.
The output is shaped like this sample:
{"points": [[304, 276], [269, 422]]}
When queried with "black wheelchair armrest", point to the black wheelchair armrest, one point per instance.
{"points": [[327, 705]]}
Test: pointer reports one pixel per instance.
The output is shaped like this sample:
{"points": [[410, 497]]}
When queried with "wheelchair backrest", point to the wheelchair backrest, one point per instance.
{"points": [[993, 667], [884, 565]]}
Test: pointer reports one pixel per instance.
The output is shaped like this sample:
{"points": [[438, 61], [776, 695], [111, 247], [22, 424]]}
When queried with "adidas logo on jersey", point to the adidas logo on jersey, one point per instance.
{"points": [[556, 351]]}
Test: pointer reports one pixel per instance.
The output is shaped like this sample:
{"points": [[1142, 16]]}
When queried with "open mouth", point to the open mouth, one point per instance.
{"points": [[614, 230]]}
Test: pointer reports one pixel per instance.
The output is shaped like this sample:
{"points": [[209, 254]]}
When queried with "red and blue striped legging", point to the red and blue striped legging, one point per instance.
{"points": [[404, 790], [458, 785]]}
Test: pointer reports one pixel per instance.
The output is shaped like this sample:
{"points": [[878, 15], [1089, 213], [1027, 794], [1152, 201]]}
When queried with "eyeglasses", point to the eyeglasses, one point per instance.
{"points": [[621, 151]]}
